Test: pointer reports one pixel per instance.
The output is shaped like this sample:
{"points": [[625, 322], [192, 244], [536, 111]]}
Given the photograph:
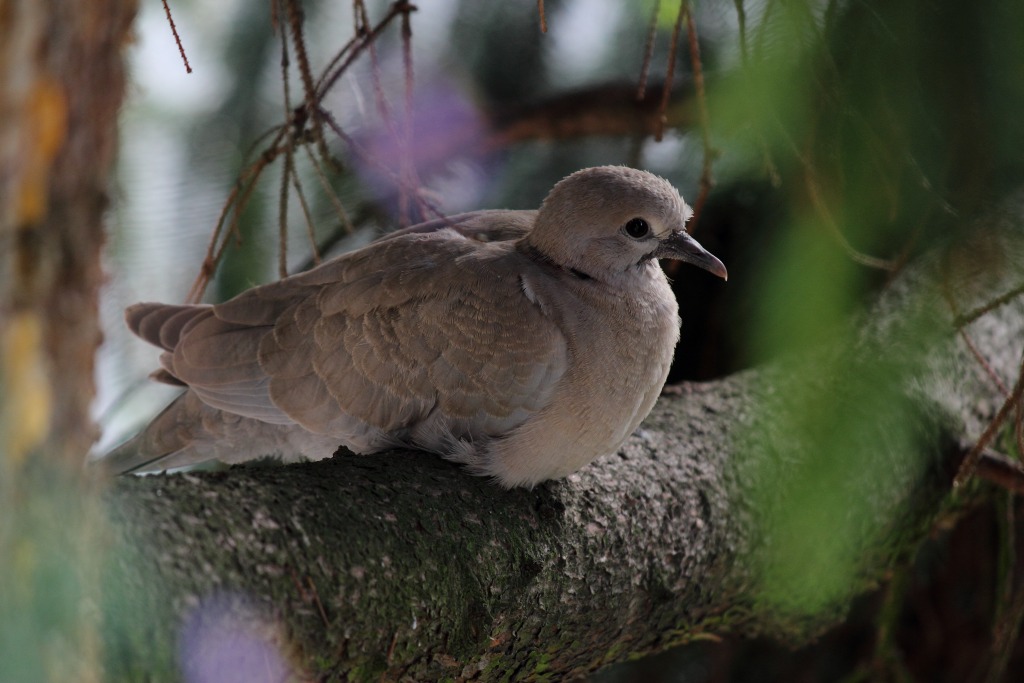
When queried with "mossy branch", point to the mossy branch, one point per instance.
{"points": [[402, 567]]}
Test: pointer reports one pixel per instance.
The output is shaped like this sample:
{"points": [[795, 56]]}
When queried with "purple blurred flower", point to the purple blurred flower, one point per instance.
{"points": [[445, 125], [226, 640]]}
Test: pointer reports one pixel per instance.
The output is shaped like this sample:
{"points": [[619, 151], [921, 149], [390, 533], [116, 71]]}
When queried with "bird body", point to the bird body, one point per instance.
{"points": [[522, 344]]}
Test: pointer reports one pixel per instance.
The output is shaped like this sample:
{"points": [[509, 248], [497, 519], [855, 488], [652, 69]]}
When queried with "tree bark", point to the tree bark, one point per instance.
{"points": [[62, 81], [403, 567]]}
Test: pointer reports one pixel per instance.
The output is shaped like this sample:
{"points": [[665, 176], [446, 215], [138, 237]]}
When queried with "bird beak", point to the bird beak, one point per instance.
{"points": [[681, 247]]}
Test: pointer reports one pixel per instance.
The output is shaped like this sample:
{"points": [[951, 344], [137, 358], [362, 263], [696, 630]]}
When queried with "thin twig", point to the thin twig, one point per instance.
{"points": [[1000, 470], [388, 119], [947, 294], [407, 160], [332, 197], [295, 132], [213, 253], [237, 199], [428, 208], [986, 366], [391, 648], [282, 214], [1007, 634], [971, 316], [1008, 612], [310, 231], [830, 223], [769, 165], [295, 22], [741, 19], [366, 40], [177, 38], [316, 599], [543, 17], [970, 463], [706, 181], [295, 17], [1018, 430], [289, 166], [645, 68], [332, 65], [887, 657], [666, 91]]}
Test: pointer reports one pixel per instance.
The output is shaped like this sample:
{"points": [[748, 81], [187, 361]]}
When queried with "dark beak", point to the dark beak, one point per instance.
{"points": [[681, 247]]}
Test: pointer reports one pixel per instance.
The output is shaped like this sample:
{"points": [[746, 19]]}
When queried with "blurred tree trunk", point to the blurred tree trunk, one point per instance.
{"points": [[62, 81]]}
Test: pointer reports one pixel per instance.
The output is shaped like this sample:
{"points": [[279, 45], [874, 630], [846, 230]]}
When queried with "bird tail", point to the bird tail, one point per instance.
{"points": [[168, 441], [129, 458]]}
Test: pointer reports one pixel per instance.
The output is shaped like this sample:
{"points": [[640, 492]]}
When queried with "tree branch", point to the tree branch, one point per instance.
{"points": [[402, 567]]}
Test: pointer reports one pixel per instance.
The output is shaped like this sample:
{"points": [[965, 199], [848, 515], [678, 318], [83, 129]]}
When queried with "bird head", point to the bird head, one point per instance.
{"points": [[607, 220]]}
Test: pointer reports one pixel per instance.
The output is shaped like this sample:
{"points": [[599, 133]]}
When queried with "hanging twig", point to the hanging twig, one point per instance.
{"points": [[177, 38], [1006, 633], [1001, 470], [543, 17], [332, 66], [294, 132], [295, 21], [947, 294], [282, 202], [971, 316], [310, 230], [830, 224], [971, 461], [332, 197], [365, 38], [237, 199], [407, 163], [886, 657], [961, 327], [741, 20], [1019, 429], [706, 181], [282, 213], [652, 32], [387, 119], [429, 208], [770, 168], [666, 91]]}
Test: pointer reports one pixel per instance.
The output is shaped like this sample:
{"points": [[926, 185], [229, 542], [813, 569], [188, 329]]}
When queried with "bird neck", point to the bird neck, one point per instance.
{"points": [[533, 252]]}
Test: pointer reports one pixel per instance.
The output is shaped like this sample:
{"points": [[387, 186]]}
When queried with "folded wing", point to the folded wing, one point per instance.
{"points": [[417, 335]]}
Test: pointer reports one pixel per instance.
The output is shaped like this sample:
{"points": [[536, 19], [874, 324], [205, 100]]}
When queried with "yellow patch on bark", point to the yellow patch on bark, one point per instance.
{"points": [[45, 120], [27, 401]]}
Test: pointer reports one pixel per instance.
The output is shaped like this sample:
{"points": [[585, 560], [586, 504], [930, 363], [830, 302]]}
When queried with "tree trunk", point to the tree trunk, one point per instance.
{"points": [[403, 567], [62, 81]]}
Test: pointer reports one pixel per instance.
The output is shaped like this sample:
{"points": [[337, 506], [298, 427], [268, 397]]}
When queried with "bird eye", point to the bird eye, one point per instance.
{"points": [[637, 228]]}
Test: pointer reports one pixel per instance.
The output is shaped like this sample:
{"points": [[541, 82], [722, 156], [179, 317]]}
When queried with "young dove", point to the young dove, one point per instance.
{"points": [[523, 344]]}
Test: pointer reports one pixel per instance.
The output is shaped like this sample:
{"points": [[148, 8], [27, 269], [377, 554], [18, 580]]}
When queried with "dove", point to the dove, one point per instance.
{"points": [[521, 344]]}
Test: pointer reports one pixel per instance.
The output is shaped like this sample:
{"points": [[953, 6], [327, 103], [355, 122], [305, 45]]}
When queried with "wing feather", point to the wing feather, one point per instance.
{"points": [[425, 332]]}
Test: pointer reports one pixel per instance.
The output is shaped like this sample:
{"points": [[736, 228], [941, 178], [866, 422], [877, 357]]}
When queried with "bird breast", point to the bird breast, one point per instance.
{"points": [[620, 344], [620, 355]]}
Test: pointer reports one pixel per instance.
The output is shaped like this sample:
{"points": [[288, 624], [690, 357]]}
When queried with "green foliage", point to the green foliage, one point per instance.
{"points": [[854, 444], [877, 124], [51, 539]]}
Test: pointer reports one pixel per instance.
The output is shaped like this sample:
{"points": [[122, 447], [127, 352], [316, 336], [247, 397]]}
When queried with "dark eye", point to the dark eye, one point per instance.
{"points": [[637, 228]]}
